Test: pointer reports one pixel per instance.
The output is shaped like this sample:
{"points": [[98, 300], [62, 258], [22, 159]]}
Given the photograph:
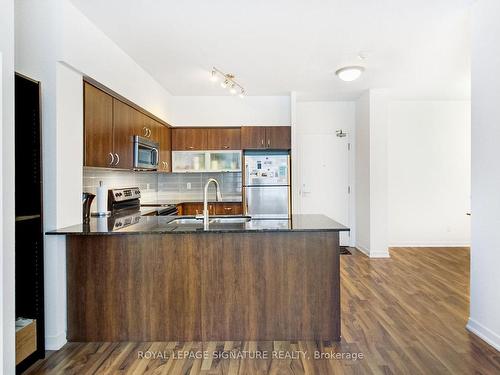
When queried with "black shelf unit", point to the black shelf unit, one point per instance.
{"points": [[29, 218]]}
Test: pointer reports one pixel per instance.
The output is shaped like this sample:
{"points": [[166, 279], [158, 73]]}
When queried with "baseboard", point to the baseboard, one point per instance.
{"points": [[363, 249], [430, 244], [55, 342], [380, 254], [374, 254], [485, 334]]}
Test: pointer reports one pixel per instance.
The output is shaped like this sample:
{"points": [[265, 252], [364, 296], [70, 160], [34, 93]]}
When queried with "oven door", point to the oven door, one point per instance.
{"points": [[145, 154]]}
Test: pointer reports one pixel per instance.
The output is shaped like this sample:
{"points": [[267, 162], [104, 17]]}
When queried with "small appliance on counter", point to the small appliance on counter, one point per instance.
{"points": [[87, 199]]}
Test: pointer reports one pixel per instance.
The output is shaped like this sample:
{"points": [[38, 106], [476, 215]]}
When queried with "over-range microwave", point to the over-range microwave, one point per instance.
{"points": [[145, 153]]}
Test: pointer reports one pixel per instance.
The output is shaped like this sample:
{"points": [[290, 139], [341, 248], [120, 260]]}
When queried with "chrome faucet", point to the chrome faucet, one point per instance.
{"points": [[218, 197]]}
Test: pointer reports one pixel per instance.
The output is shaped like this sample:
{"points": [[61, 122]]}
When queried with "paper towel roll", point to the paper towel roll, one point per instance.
{"points": [[102, 198]]}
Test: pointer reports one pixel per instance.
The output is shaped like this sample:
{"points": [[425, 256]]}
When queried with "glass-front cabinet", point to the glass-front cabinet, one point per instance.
{"points": [[206, 161]]}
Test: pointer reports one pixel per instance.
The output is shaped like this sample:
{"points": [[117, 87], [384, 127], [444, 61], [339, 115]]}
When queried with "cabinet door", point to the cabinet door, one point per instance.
{"points": [[151, 129], [278, 137], [224, 139], [165, 135], [253, 137], [98, 125], [228, 209], [127, 122], [196, 208], [186, 139]]}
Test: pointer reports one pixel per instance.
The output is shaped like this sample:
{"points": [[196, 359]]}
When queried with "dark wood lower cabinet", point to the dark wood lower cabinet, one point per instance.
{"points": [[204, 286], [214, 208]]}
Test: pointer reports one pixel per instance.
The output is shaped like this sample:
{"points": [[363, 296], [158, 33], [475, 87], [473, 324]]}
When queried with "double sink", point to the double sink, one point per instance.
{"points": [[219, 221]]}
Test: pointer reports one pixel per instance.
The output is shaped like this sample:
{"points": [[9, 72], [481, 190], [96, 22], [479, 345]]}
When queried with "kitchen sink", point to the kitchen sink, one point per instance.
{"points": [[230, 220], [186, 221], [212, 220]]}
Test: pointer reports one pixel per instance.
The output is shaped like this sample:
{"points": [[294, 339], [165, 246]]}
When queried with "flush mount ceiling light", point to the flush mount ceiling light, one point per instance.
{"points": [[350, 73], [227, 81]]}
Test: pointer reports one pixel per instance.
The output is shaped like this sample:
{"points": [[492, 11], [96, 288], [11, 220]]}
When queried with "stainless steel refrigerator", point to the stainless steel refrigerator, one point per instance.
{"points": [[266, 184]]}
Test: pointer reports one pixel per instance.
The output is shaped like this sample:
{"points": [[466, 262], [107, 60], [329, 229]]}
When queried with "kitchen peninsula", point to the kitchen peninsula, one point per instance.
{"points": [[168, 279]]}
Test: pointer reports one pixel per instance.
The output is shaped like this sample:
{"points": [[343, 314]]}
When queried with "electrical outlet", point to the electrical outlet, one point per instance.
{"points": [[188, 186]]}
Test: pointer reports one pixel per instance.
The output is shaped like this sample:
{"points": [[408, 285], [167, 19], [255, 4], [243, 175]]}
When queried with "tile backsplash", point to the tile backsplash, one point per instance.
{"points": [[162, 186]]}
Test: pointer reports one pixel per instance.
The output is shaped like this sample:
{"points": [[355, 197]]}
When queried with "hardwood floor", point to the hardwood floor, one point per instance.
{"points": [[405, 315]]}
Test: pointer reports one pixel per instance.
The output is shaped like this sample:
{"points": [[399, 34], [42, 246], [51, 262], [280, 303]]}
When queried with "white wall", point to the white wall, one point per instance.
{"points": [[485, 255], [7, 255], [429, 173], [325, 166], [362, 173], [379, 116], [231, 110], [371, 173], [57, 45]]}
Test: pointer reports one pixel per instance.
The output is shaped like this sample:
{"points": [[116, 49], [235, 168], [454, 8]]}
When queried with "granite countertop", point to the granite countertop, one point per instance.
{"points": [[164, 225]]}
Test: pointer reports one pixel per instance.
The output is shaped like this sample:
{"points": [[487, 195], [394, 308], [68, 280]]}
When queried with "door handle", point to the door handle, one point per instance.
{"points": [[154, 151], [112, 158], [117, 159]]}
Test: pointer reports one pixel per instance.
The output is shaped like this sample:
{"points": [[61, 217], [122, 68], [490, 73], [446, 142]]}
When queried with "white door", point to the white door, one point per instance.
{"points": [[324, 177]]}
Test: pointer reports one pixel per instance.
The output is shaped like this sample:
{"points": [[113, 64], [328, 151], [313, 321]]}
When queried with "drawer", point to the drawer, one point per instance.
{"points": [[229, 209], [25, 341], [195, 208]]}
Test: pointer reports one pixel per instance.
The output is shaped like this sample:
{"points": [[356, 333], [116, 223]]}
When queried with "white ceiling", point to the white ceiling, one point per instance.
{"points": [[420, 47]]}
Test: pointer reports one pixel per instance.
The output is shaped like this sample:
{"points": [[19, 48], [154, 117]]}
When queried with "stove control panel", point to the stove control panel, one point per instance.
{"points": [[125, 194]]}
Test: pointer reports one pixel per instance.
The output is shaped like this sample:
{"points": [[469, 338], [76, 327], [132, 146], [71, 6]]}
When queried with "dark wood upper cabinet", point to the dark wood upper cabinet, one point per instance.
{"points": [[127, 123], [98, 127], [253, 137], [265, 137], [278, 137], [224, 139], [150, 129], [110, 125], [165, 134], [188, 139]]}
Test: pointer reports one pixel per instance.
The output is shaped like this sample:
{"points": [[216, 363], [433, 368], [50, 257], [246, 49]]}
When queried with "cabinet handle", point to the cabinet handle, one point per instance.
{"points": [[112, 158], [191, 147], [225, 147], [145, 130], [228, 208], [269, 143], [166, 165], [117, 159], [262, 142], [149, 132]]}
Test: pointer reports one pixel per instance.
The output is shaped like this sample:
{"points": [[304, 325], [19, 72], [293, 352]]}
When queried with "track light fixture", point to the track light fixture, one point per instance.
{"points": [[227, 81]]}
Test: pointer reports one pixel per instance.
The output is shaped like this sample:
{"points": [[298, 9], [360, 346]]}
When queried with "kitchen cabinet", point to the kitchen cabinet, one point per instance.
{"points": [[253, 137], [150, 129], [223, 139], [214, 208], [98, 125], [188, 139], [228, 208], [278, 137], [165, 137], [196, 208], [265, 137], [206, 161], [127, 122], [109, 129]]}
